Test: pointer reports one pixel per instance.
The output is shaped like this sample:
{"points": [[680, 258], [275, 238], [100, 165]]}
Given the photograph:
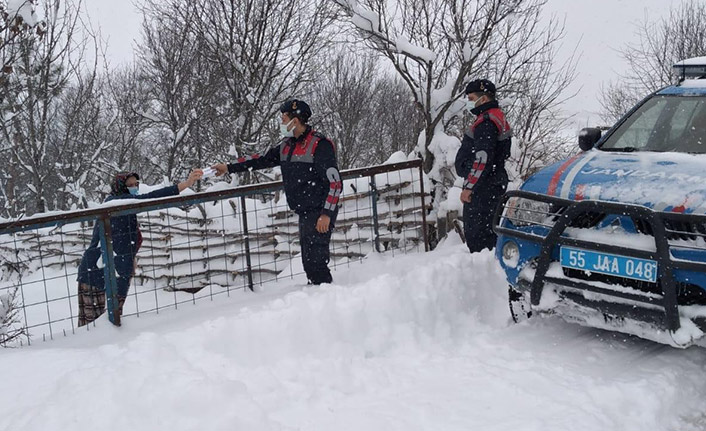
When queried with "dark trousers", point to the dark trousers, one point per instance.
{"points": [[315, 247], [478, 216]]}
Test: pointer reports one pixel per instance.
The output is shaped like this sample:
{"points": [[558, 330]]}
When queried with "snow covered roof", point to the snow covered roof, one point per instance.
{"points": [[696, 61]]}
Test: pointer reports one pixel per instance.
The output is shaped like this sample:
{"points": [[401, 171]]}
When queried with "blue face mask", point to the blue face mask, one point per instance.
{"points": [[134, 190]]}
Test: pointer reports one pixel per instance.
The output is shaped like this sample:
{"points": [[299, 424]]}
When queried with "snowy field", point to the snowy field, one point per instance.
{"points": [[418, 342]]}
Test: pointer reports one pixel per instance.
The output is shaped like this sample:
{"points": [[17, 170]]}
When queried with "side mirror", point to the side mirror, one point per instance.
{"points": [[588, 137]]}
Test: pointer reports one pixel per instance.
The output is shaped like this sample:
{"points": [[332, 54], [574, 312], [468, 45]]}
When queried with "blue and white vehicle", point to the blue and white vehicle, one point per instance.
{"points": [[615, 237]]}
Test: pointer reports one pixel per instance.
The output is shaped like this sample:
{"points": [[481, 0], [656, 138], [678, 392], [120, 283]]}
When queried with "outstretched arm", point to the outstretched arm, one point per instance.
{"points": [[194, 176], [255, 162]]}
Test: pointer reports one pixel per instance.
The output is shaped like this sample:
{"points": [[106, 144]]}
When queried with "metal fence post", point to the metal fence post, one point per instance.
{"points": [[425, 232], [246, 237], [374, 199], [111, 284]]}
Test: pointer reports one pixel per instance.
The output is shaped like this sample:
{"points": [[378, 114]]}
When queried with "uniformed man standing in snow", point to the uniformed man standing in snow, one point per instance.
{"points": [[481, 163], [311, 180]]}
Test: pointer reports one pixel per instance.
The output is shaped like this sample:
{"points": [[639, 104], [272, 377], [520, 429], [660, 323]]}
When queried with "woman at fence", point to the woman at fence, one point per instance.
{"points": [[126, 242]]}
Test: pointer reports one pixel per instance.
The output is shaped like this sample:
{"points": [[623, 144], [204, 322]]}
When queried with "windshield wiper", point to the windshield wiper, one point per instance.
{"points": [[622, 150]]}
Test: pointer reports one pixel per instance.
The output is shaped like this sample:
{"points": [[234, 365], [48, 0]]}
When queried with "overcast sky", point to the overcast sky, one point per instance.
{"points": [[119, 23], [598, 28]]}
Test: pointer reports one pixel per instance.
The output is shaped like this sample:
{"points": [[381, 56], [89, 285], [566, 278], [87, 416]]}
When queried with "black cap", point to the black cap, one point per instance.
{"points": [[480, 86], [296, 108]]}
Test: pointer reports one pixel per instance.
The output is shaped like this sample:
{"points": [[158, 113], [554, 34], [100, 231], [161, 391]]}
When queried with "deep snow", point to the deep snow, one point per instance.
{"points": [[416, 342]]}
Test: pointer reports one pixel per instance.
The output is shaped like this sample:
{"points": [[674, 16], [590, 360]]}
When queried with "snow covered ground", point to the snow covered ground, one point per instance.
{"points": [[416, 342]]}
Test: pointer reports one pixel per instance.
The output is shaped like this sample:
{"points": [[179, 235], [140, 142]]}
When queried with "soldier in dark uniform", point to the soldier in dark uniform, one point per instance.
{"points": [[481, 163], [311, 180]]}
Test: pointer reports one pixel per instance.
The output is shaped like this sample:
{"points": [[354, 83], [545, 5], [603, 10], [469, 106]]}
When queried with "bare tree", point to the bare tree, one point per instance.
{"points": [[436, 46], [617, 98], [11, 328], [267, 51], [44, 69], [75, 143], [536, 87], [124, 97], [661, 44], [368, 113], [344, 99], [102, 132], [217, 71], [395, 122], [15, 25], [183, 86]]}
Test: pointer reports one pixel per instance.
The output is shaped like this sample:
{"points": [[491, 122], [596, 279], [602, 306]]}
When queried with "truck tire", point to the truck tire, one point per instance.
{"points": [[520, 307]]}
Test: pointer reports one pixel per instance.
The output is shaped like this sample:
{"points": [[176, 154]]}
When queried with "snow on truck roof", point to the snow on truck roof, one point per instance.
{"points": [[688, 87], [696, 61]]}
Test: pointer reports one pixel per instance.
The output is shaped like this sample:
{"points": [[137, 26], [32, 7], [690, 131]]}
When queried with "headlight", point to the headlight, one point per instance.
{"points": [[511, 254], [528, 212]]}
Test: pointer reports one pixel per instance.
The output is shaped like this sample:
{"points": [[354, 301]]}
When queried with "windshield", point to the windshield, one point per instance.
{"points": [[663, 123]]}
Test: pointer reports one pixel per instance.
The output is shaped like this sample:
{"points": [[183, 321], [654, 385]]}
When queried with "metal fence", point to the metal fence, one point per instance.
{"points": [[197, 247]]}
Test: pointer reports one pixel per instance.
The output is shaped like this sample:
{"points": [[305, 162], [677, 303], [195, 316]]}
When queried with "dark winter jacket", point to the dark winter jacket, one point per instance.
{"points": [[309, 171], [486, 145], [126, 241]]}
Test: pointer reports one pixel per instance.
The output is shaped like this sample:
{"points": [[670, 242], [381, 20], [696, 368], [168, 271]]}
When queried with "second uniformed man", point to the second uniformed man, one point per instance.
{"points": [[481, 163]]}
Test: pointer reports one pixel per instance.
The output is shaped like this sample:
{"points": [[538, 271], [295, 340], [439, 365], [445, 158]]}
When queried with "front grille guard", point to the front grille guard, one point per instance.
{"points": [[661, 225]]}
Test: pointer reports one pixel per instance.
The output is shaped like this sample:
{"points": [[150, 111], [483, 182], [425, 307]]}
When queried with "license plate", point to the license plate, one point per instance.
{"points": [[609, 264]]}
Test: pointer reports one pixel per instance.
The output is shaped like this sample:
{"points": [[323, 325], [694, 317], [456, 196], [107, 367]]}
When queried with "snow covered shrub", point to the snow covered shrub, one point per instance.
{"points": [[10, 324]]}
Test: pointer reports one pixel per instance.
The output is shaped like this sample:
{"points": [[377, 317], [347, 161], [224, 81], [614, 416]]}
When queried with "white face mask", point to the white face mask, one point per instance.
{"points": [[284, 131], [470, 105]]}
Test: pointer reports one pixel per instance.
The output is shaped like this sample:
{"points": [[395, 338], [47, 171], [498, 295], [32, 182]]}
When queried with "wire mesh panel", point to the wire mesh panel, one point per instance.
{"points": [[195, 247], [38, 271]]}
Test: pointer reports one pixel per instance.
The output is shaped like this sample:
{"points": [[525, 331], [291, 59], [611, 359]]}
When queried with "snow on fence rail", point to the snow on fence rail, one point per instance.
{"points": [[199, 246]]}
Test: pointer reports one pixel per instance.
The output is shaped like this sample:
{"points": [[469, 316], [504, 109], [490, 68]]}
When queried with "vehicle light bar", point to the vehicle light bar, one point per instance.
{"points": [[692, 68]]}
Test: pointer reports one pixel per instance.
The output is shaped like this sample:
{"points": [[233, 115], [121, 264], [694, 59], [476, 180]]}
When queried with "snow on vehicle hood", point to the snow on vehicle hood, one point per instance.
{"points": [[673, 182]]}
